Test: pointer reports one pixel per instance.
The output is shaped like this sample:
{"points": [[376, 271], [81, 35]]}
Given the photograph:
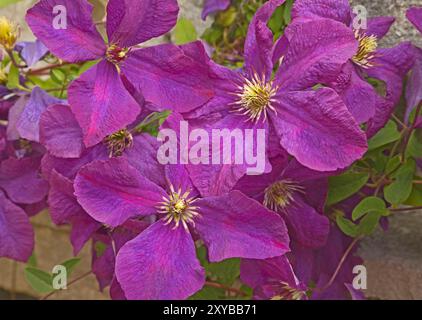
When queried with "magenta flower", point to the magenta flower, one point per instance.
{"points": [[149, 266], [100, 98], [213, 6], [414, 84], [388, 65], [314, 126], [297, 193]]}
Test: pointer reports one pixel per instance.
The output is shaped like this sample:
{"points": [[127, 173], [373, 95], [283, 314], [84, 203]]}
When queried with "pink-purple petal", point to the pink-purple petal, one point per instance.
{"points": [[234, 225], [379, 26], [101, 103], [159, 264], [333, 9], [78, 41], [213, 6], [414, 14]]}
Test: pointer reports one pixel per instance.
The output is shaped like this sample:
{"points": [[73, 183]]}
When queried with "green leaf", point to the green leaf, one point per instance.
{"points": [[343, 186], [153, 122], [226, 18], [209, 293], [58, 75], [184, 32], [5, 3], [368, 223], [415, 198], [385, 136], [347, 226], [367, 205], [400, 189], [13, 77], [414, 148], [226, 271], [40, 280], [70, 265]]}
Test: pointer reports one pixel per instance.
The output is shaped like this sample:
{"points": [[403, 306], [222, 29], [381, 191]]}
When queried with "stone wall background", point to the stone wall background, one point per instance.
{"points": [[393, 258]]}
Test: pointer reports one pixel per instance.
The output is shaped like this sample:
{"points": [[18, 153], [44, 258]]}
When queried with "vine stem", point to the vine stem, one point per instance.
{"points": [[47, 68], [220, 286], [86, 274], [405, 209], [340, 264]]}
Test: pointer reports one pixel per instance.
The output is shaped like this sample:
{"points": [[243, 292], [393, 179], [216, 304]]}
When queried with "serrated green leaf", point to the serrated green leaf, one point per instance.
{"points": [[367, 205], [385, 136], [39, 280], [400, 189], [343, 186], [184, 32]]}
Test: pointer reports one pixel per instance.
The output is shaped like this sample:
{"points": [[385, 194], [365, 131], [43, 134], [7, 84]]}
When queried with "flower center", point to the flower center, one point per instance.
{"points": [[116, 54], [255, 97], [366, 51], [118, 142], [279, 195], [9, 33], [178, 208]]}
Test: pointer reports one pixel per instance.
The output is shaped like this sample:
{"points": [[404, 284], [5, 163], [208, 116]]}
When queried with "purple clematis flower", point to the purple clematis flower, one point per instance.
{"points": [[148, 267], [100, 98], [388, 65], [305, 273], [414, 85], [298, 194], [312, 125], [31, 51]]}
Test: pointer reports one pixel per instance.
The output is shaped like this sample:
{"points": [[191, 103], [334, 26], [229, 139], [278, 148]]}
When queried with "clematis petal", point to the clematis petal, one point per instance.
{"points": [[318, 130], [14, 116], [67, 29], [213, 6], [234, 225], [317, 51], [171, 77], [19, 178], [414, 88], [29, 121], [130, 22], [60, 133], [113, 191], [83, 227], [101, 103], [159, 264], [32, 51], [255, 273], [358, 95], [306, 225], [379, 26], [16, 234], [259, 41], [333, 9], [414, 14]]}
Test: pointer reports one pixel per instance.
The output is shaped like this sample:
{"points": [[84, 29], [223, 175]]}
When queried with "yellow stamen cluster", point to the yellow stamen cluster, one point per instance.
{"points": [[9, 33], [118, 142], [289, 293], [178, 208], [255, 97], [116, 54], [366, 51], [280, 194]]}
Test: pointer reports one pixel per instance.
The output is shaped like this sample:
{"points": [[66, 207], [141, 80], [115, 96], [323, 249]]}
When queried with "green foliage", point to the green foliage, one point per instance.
{"points": [[400, 189], [368, 205], [152, 122], [184, 32], [5, 3], [343, 186], [385, 136]]}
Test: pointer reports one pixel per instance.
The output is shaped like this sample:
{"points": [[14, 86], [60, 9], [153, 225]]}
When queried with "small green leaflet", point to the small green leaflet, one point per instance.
{"points": [[184, 32], [367, 205], [400, 189], [385, 136], [343, 186]]}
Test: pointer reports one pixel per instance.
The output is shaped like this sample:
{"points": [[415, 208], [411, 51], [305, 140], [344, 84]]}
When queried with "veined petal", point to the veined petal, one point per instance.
{"points": [[29, 120], [234, 225], [130, 22], [101, 103], [159, 264], [259, 41], [414, 14], [379, 26], [16, 234], [171, 77], [67, 29], [318, 130], [414, 88], [333, 9], [113, 191], [60, 133], [21, 181], [317, 51]]}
